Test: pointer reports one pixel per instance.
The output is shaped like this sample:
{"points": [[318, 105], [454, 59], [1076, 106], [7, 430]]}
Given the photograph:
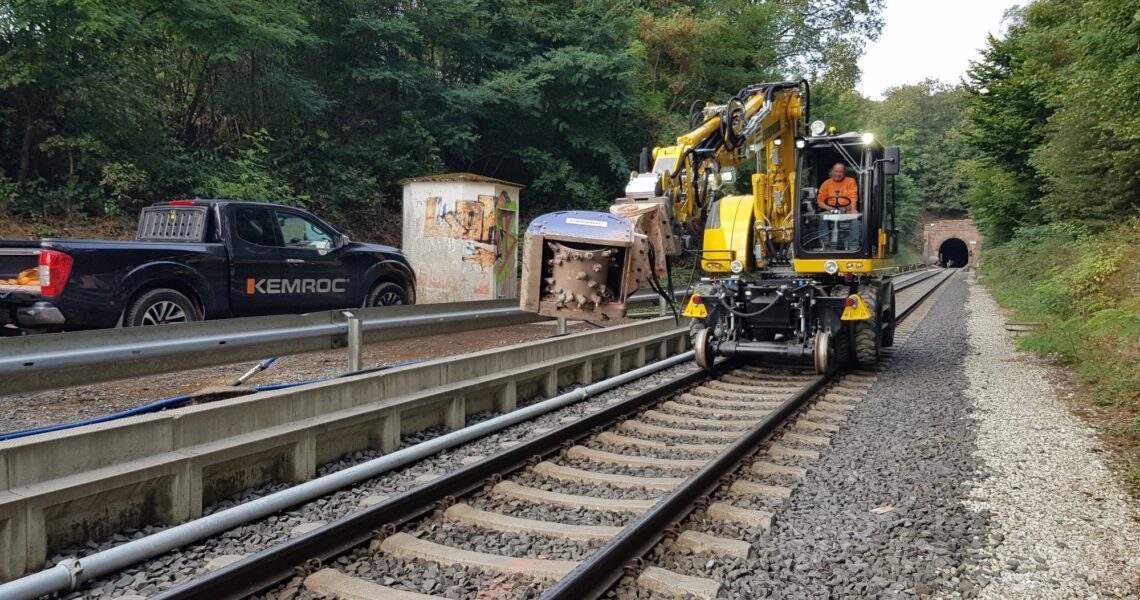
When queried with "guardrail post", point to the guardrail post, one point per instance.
{"points": [[355, 336], [561, 326], [661, 306]]}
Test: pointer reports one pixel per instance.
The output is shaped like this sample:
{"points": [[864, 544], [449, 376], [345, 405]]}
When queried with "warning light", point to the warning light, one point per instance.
{"points": [[851, 301], [696, 299], [180, 203]]}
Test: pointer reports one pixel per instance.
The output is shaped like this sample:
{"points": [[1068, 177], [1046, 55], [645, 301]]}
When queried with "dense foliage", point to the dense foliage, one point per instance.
{"points": [[107, 104], [1053, 111], [1052, 116]]}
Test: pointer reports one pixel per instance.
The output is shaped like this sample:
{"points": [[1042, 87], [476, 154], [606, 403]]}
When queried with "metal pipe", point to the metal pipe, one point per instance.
{"points": [[762, 349], [261, 366], [69, 573]]}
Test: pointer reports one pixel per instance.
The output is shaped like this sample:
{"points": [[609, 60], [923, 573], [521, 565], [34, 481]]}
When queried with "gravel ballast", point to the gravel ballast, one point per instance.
{"points": [[988, 486], [181, 565], [1062, 526], [959, 474], [908, 445]]}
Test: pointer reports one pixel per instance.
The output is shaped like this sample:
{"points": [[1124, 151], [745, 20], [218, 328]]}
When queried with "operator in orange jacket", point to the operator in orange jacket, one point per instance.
{"points": [[841, 189], [840, 193]]}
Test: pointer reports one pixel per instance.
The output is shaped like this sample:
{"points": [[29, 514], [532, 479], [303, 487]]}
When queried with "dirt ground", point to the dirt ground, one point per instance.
{"points": [[41, 409], [14, 228]]}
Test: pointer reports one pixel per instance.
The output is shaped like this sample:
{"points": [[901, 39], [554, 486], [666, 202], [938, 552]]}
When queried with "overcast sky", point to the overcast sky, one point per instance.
{"points": [[928, 38]]}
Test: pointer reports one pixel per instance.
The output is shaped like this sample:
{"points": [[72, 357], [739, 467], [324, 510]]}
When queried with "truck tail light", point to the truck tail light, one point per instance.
{"points": [[55, 268]]}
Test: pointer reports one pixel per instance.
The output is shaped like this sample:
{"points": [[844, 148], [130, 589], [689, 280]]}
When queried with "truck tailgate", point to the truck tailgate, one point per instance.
{"points": [[19, 275]]}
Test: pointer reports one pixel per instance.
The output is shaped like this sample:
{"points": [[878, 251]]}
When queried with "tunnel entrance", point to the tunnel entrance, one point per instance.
{"points": [[953, 253]]}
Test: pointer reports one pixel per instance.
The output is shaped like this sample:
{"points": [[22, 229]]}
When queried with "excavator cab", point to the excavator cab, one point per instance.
{"points": [[858, 234]]}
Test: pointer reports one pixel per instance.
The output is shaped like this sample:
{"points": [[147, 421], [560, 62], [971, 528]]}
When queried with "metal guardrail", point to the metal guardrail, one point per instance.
{"points": [[52, 361], [911, 267]]}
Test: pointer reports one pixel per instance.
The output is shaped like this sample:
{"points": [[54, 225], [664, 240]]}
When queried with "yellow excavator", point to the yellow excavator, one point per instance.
{"points": [[789, 273]]}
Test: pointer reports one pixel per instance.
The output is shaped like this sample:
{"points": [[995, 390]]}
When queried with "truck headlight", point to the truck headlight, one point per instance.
{"points": [[831, 267], [736, 266]]}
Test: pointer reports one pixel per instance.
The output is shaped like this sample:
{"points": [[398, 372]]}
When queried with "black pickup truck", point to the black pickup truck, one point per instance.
{"points": [[195, 260]]}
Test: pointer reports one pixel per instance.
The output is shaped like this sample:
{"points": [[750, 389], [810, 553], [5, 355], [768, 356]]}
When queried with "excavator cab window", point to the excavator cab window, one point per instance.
{"points": [[841, 221]]}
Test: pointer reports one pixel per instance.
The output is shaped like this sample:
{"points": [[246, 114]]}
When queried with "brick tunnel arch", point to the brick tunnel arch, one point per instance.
{"points": [[945, 235], [953, 252]]}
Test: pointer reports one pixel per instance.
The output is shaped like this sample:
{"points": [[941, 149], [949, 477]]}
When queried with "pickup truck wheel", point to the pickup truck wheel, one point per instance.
{"points": [[386, 294], [160, 307]]}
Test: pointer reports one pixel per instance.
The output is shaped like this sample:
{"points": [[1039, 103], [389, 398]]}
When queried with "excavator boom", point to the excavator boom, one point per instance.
{"points": [[584, 265], [791, 274]]}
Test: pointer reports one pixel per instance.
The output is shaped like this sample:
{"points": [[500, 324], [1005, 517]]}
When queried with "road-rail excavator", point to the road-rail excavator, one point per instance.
{"points": [[790, 274]]}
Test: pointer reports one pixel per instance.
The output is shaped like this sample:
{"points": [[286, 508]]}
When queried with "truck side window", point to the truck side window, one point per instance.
{"points": [[299, 232], [255, 225]]}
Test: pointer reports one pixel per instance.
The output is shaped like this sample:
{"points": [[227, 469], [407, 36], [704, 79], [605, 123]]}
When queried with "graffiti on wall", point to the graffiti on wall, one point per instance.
{"points": [[487, 227], [472, 221]]}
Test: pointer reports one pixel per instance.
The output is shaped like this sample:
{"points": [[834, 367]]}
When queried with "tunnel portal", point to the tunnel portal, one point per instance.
{"points": [[953, 253], [951, 241]]}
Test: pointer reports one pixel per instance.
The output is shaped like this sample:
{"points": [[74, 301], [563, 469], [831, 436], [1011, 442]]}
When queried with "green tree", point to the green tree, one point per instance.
{"points": [[1090, 155], [925, 121]]}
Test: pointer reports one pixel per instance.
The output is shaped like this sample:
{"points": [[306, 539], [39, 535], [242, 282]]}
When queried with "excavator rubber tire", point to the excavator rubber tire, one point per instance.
{"points": [[842, 351], [868, 333], [889, 317]]}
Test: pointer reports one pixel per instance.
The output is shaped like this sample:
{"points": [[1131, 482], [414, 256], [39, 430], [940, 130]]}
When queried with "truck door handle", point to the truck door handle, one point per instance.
{"points": [[295, 261]]}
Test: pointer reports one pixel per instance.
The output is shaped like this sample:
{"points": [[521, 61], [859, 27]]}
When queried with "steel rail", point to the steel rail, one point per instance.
{"points": [[602, 569], [52, 361], [269, 567], [598, 573], [918, 302], [915, 280]]}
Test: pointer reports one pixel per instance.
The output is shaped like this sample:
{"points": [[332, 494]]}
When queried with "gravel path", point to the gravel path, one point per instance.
{"points": [[1062, 526]]}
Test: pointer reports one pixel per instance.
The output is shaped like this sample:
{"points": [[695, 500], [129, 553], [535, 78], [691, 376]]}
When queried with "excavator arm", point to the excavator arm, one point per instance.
{"points": [[584, 264]]}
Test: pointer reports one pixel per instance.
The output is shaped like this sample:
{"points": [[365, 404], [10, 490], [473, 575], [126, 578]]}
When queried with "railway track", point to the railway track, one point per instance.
{"points": [[697, 466]]}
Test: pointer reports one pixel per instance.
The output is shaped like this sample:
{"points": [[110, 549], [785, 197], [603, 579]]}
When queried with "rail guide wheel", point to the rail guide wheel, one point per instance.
{"points": [[702, 349], [821, 352]]}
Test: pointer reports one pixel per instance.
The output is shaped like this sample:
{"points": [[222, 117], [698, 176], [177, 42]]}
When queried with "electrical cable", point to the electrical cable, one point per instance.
{"points": [[175, 402], [655, 283]]}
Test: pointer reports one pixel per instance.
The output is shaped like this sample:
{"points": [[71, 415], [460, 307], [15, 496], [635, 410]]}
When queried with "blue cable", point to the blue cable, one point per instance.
{"points": [[167, 403]]}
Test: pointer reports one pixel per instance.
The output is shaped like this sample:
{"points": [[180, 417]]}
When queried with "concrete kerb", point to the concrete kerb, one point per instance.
{"points": [[67, 487]]}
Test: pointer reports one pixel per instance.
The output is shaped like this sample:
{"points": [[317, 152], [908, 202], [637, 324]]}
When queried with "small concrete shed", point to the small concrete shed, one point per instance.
{"points": [[461, 234]]}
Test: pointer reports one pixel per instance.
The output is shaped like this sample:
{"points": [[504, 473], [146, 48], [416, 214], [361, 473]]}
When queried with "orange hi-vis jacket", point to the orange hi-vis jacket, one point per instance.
{"points": [[847, 188]]}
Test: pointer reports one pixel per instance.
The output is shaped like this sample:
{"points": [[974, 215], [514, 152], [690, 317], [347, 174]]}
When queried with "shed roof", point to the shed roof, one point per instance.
{"points": [[448, 177]]}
